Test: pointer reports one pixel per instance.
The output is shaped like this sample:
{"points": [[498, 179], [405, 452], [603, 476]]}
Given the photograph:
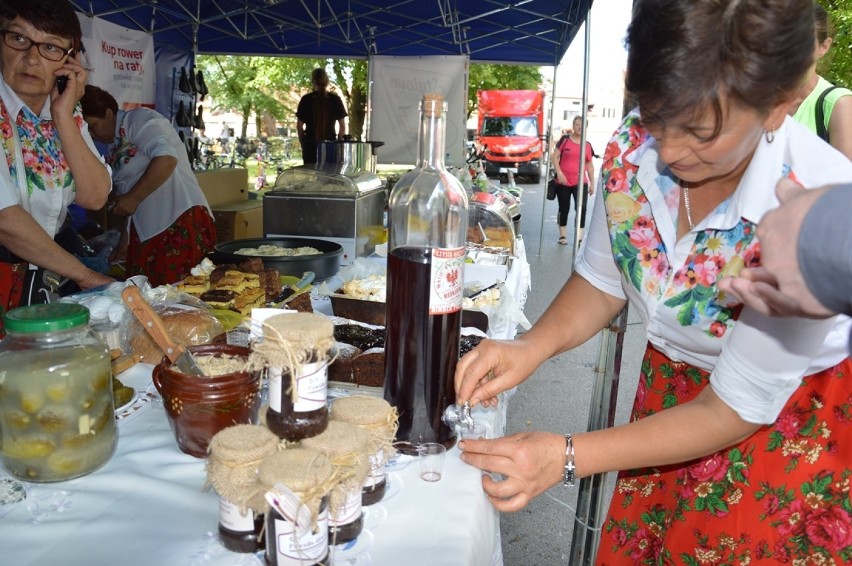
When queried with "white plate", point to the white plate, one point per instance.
{"points": [[353, 553], [394, 486], [374, 516], [399, 462], [133, 399]]}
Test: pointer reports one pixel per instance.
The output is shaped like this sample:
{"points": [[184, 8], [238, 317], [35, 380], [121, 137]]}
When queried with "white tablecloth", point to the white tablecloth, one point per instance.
{"points": [[147, 506]]}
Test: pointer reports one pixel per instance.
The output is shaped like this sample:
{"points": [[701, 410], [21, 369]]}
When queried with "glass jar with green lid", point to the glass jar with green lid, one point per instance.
{"points": [[57, 417]]}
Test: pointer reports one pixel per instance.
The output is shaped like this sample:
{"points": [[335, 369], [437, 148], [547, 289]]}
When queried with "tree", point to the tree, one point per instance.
{"points": [[270, 87], [836, 66], [485, 76]]}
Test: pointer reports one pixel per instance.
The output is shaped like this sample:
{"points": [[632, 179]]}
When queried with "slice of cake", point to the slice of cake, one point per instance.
{"points": [[249, 299], [232, 281], [340, 368], [272, 283], [219, 298], [252, 280], [368, 368], [194, 285]]}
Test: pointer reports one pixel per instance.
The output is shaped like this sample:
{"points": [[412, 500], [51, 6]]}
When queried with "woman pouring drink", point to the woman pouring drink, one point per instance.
{"points": [[737, 451]]}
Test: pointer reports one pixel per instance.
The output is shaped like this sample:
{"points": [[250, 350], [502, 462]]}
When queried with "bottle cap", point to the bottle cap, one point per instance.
{"points": [[46, 318]]}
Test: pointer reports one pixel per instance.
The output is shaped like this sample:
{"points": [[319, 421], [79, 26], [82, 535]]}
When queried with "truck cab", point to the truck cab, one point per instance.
{"points": [[511, 131]]}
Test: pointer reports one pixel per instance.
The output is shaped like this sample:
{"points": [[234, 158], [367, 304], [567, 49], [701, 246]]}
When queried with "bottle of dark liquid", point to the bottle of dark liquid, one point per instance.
{"points": [[425, 280]]}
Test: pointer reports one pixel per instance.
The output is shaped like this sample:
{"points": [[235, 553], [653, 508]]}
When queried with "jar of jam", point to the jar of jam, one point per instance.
{"points": [[295, 350], [346, 445], [379, 420], [295, 483], [57, 415], [235, 453]]}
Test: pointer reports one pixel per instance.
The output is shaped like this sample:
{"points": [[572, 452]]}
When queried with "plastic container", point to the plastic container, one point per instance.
{"points": [[198, 407], [57, 415]]}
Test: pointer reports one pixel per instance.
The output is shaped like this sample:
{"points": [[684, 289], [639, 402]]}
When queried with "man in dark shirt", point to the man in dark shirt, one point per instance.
{"points": [[316, 115]]}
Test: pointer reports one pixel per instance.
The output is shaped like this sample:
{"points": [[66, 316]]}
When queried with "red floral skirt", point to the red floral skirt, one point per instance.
{"points": [[779, 497], [11, 288], [169, 256]]}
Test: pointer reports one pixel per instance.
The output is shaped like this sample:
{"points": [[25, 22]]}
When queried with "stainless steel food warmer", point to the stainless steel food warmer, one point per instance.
{"points": [[341, 202]]}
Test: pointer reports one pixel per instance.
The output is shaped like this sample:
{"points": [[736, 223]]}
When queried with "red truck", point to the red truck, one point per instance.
{"points": [[511, 131]]}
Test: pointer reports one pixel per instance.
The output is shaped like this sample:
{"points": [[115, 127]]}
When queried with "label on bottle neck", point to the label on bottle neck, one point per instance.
{"points": [[447, 280]]}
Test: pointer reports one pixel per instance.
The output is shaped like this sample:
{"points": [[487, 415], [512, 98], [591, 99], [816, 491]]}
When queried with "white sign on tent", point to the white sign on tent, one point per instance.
{"points": [[397, 86], [122, 61]]}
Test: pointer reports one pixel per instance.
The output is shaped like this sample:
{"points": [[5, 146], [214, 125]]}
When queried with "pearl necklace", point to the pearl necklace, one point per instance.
{"points": [[685, 191]]}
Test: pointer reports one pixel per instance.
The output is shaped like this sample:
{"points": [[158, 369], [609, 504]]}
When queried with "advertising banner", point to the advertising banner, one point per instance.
{"points": [[120, 61]]}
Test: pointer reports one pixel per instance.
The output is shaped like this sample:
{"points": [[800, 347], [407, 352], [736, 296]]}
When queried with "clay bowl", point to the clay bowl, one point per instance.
{"points": [[198, 407]]}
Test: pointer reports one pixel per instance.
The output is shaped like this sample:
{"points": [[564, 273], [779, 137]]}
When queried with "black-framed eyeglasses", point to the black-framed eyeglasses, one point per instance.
{"points": [[20, 42]]}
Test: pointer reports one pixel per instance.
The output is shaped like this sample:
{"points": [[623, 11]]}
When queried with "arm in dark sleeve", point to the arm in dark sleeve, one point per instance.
{"points": [[825, 249]]}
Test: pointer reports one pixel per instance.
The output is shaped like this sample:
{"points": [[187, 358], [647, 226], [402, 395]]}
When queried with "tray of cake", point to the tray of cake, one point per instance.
{"points": [[363, 300], [358, 356], [242, 287]]}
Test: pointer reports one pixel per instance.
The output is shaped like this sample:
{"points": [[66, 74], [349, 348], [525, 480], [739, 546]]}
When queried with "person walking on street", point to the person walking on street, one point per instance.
{"points": [[566, 163]]}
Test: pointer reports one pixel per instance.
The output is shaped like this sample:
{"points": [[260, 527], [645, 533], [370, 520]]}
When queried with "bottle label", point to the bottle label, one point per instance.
{"points": [[445, 292], [312, 388], [350, 511], [294, 550], [274, 376], [231, 518], [377, 470]]}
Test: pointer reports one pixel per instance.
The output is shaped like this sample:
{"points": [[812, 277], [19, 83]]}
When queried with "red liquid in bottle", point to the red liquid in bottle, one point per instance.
{"points": [[421, 351]]}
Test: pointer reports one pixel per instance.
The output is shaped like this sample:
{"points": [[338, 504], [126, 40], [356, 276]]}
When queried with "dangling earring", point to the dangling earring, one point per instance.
{"points": [[769, 135]]}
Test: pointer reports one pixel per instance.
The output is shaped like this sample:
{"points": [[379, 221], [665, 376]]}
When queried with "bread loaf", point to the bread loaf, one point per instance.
{"points": [[187, 327]]}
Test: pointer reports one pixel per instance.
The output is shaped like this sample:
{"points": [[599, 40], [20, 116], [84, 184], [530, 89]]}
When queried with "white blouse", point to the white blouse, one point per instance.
{"points": [[631, 252]]}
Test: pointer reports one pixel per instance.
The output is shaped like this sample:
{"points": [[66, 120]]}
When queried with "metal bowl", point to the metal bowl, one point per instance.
{"points": [[324, 265]]}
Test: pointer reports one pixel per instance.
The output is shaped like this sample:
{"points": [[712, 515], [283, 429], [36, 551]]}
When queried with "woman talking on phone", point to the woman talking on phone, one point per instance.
{"points": [[48, 159]]}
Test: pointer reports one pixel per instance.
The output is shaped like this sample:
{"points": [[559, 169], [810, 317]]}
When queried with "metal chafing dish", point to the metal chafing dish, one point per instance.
{"points": [[490, 231], [341, 202]]}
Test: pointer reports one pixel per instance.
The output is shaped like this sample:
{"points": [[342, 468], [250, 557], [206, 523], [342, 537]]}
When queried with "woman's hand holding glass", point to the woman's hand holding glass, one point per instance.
{"points": [[532, 462]]}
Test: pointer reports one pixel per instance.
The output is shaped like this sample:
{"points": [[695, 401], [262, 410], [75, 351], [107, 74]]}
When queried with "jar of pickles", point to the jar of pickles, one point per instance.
{"points": [[57, 417]]}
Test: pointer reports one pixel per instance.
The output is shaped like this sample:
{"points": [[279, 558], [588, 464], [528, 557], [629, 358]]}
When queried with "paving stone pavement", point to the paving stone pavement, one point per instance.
{"points": [[557, 396]]}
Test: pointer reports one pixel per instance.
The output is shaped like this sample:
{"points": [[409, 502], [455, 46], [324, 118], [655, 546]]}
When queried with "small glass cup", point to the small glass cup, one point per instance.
{"points": [[475, 432], [431, 460]]}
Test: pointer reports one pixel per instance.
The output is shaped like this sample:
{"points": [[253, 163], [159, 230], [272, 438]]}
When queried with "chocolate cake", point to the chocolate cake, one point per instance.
{"points": [[219, 272], [271, 282], [341, 366], [368, 368], [360, 336], [252, 265], [219, 298]]}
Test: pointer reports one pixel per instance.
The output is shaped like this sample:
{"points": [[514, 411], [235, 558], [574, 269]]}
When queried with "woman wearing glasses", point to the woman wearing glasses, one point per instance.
{"points": [[48, 159]]}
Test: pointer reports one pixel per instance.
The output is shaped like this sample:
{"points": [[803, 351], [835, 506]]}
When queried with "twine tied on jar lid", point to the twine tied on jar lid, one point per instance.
{"points": [[292, 340], [376, 416], [347, 446], [235, 453], [306, 472]]}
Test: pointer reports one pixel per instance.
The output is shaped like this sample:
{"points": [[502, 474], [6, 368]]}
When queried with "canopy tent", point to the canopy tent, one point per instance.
{"points": [[505, 31]]}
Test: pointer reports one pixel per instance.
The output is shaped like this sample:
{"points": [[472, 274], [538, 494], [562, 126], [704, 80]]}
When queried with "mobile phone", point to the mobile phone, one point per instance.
{"points": [[61, 83]]}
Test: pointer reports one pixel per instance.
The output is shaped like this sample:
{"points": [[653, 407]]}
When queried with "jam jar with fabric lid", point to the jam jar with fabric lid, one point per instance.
{"points": [[379, 420], [57, 415], [347, 446], [295, 350], [295, 484]]}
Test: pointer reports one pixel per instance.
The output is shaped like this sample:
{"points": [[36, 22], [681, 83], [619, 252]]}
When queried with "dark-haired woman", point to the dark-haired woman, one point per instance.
{"points": [[49, 160], [737, 451], [169, 226]]}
